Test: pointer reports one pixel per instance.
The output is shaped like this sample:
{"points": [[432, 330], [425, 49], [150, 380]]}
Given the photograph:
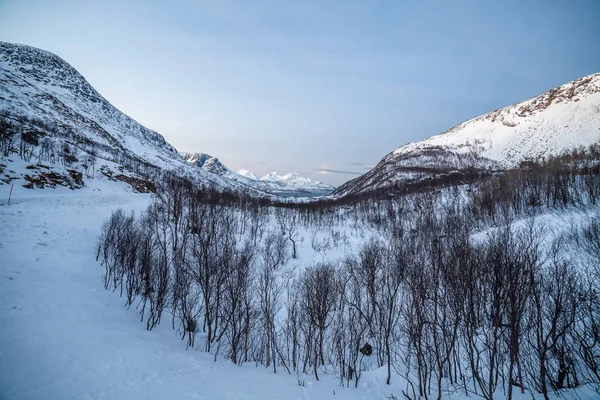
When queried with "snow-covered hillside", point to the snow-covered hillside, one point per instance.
{"points": [[43, 94], [40, 85], [274, 182], [198, 159], [559, 120]]}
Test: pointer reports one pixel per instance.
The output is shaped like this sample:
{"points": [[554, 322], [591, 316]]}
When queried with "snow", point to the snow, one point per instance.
{"points": [[39, 85], [295, 180], [197, 159], [561, 119], [65, 337], [247, 174]]}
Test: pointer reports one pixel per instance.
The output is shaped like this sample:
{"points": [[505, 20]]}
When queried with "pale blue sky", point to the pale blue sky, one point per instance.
{"points": [[311, 85]]}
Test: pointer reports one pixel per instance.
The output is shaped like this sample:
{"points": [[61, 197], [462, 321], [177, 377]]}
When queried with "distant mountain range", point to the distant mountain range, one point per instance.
{"points": [[274, 182]]}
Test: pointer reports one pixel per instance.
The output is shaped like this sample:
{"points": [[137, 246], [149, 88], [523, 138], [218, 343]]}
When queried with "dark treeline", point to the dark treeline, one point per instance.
{"points": [[424, 295]]}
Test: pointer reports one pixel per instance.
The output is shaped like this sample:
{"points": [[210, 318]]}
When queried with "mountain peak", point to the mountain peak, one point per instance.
{"points": [[198, 159], [272, 176], [247, 174], [215, 166], [292, 175]]}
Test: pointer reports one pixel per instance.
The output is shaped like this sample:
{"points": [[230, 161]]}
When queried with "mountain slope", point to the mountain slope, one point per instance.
{"points": [[39, 84], [559, 120], [40, 91], [198, 159]]}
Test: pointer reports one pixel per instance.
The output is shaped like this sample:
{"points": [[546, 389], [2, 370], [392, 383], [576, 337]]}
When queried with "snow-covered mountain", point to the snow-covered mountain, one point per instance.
{"points": [[42, 92], [296, 181], [559, 120], [247, 174], [198, 159], [40, 85], [274, 183]]}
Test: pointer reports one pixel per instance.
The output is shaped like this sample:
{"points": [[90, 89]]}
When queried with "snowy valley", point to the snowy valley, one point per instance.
{"points": [[462, 266]]}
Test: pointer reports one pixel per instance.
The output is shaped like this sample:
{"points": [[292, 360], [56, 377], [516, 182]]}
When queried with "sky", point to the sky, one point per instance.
{"points": [[323, 88]]}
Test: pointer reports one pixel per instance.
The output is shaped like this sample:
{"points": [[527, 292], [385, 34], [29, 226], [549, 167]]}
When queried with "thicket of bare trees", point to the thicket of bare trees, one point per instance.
{"points": [[425, 297]]}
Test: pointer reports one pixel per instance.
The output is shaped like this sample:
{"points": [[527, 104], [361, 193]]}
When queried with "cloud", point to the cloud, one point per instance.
{"points": [[363, 165], [336, 171]]}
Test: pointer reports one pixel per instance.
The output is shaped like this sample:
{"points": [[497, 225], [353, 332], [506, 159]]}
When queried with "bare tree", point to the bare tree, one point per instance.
{"points": [[272, 257], [319, 287]]}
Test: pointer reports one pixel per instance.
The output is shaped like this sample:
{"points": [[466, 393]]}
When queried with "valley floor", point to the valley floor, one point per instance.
{"points": [[62, 336]]}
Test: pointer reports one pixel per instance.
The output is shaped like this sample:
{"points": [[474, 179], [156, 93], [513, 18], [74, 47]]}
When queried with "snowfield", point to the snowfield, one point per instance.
{"points": [[65, 337]]}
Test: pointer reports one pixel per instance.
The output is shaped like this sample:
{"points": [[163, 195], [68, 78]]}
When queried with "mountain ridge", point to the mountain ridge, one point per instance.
{"points": [[39, 73], [558, 120]]}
